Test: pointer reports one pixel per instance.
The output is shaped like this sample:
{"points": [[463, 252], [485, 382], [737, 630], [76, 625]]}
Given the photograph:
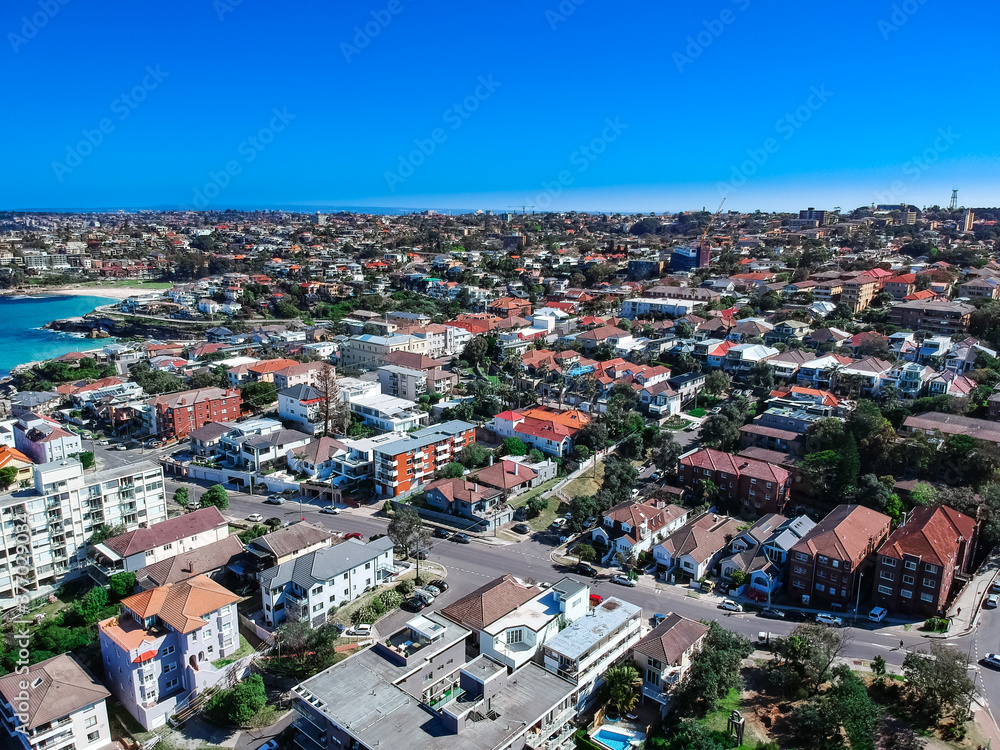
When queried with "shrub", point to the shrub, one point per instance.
{"points": [[586, 552], [936, 624], [537, 505], [369, 613], [121, 585], [405, 587], [390, 599]]}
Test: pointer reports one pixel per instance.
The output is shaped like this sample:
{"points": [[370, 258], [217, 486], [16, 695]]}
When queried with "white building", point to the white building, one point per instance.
{"points": [[63, 510], [309, 587], [640, 306], [43, 440]]}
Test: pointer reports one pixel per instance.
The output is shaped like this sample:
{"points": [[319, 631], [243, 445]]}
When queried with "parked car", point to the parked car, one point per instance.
{"points": [[275, 500], [255, 518], [354, 535], [992, 660], [796, 616], [595, 599], [121, 447], [831, 620], [558, 524], [362, 630], [991, 601], [330, 509], [730, 606], [658, 618], [461, 538], [995, 587], [424, 594], [440, 585], [104, 442], [878, 614], [269, 745], [623, 581], [441, 533], [420, 554], [585, 569], [772, 614], [522, 528], [434, 590], [414, 604]]}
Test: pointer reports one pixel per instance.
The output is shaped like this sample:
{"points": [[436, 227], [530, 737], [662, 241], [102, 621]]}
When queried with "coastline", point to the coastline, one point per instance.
{"points": [[117, 293]]}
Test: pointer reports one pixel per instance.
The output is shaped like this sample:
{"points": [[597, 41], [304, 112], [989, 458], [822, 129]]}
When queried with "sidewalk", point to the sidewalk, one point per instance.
{"points": [[968, 605]]}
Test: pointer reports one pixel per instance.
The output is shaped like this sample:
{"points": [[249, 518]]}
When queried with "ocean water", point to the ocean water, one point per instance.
{"points": [[22, 338]]}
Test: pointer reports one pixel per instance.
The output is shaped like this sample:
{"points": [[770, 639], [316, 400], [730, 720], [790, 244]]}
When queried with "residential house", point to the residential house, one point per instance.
{"points": [[42, 440], [901, 286], [13, 458], [963, 355], [696, 548], [311, 586], [821, 372], [631, 528], [786, 364], [550, 430], [305, 407], [827, 563], [742, 358], [159, 652], [411, 384], [484, 506], [909, 380], [663, 656], [786, 331], [934, 423], [216, 561], [761, 551], [285, 544], [301, 373], [56, 702], [368, 351], [510, 477], [923, 560]]}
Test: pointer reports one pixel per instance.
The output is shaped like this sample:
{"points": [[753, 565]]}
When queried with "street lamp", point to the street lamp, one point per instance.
{"points": [[857, 604]]}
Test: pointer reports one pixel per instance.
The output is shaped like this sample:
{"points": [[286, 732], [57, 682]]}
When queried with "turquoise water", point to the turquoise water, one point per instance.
{"points": [[22, 317], [614, 740]]}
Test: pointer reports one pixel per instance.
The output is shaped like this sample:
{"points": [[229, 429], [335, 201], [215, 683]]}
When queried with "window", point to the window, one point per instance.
{"points": [[800, 570], [171, 683], [514, 636], [888, 575], [906, 594], [90, 722], [317, 607], [884, 590], [908, 580], [930, 583], [932, 568], [801, 556], [823, 559], [168, 650], [888, 562], [208, 632], [910, 565], [226, 627], [93, 736], [835, 563]]}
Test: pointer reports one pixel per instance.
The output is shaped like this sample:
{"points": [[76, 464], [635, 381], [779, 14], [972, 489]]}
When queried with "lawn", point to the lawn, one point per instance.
{"points": [[697, 412], [245, 649], [718, 720], [534, 492], [676, 426], [543, 520], [586, 484]]}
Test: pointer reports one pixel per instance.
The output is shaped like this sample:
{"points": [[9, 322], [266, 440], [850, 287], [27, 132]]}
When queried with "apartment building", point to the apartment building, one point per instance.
{"points": [[644, 306], [583, 651], [933, 316], [285, 544], [411, 384], [367, 351], [43, 440], [984, 287], [160, 652], [826, 564], [407, 463], [550, 430], [301, 373], [61, 512], [923, 560], [311, 586], [757, 487], [55, 703], [511, 620], [175, 415], [902, 286], [303, 405], [134, 550]]}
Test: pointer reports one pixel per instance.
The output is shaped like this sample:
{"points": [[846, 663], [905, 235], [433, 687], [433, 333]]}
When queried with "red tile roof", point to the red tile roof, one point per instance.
{"points": [[931, 534]]}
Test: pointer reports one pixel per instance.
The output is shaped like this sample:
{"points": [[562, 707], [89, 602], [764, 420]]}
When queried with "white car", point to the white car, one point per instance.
{"points": [[255, 518], [364, 630], [104, 442], [330, 509], [831, 620], [992, 660], [878, 614], [991, 601], [731, 606]]}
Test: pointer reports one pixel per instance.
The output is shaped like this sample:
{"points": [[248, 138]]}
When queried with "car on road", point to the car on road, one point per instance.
{"points": [[995, 587], [771, 613], [420, 554], [269, 745], [992, 660], [330, 509], [275, 500], [121, 447], [991, 601], [440, 585], [832, 620], [414, 604], [362, 630], [730, 606], [461, 538], [878, 614], [255, 518], [623, 581], [104, 442], [441, 533], [522, 528], [353, 535], [585, 569]]}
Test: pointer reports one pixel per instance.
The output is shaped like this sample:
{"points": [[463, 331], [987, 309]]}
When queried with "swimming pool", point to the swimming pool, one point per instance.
{"points": [[613, 740]]}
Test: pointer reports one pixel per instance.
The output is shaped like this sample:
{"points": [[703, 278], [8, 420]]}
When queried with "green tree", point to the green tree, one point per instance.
{"points": [[258, 395], [937, 684], [843, 717], [631, 447], [536, 456], [514, 446], [850, 466], [473, 456], [90, 606], [87, 459], [8, 475], [585, 552], [717, 382], [121, 585], [803, 661], [621, 686], [580, 509], [720, 432], [454, 470], [537, 505], [182, 497], [406, 529], [666, 452], [714, 671], [215, 495], [107, 531]]}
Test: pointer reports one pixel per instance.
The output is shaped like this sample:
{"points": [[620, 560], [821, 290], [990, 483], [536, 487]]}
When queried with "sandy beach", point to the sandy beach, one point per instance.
{"points": [[111, 291]]}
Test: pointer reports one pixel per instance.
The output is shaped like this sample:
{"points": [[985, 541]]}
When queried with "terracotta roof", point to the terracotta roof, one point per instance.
{"points": [[846, 533], [165, 532], [182, 605], [57, 687], [668, 641], [196, 562], [489, 603], [462, 489], [707, 458], [931, 534], [702, 537], [505, 475]]}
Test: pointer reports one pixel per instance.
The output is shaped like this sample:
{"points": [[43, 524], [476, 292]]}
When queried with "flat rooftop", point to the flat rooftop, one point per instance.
{"points": [[574, 641]]}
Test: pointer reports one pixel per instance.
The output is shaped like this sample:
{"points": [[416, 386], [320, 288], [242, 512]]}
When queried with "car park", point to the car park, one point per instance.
{"points": [[255, 518], [333, 509], [623, 581], [730, 606], [878, 614], [585, 569], [522, 528], [434, 590], [832, 620], [362, 630], [461, 538], [771, 613]]}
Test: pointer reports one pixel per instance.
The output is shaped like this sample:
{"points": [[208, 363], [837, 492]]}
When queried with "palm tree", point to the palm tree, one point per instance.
{"points": [[622, 685]]}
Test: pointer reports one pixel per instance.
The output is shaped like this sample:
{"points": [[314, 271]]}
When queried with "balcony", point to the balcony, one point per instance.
{"points": [[308, 736]]}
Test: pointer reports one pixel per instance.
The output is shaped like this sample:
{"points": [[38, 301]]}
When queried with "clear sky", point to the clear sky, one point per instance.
{"points": [[592, 105]]}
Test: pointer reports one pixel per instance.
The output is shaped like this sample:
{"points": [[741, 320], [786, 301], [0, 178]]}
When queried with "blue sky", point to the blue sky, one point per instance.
{"points": [[588, 105]]}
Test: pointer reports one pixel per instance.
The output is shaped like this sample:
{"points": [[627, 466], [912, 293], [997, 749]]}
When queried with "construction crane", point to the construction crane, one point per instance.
{"points": [[522, 208]]}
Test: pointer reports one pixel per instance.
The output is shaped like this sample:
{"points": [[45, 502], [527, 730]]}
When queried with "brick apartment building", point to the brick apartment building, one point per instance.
{"points": [[933, 316], [510, 307], [756, 486], [409, 462], [919, 563], [826, 563], [859, 292], [177, 414]]}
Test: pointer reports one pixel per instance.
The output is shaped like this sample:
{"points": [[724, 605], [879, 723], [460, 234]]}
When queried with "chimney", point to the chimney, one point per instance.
{"points": [[491, 459], [515, 468]]}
